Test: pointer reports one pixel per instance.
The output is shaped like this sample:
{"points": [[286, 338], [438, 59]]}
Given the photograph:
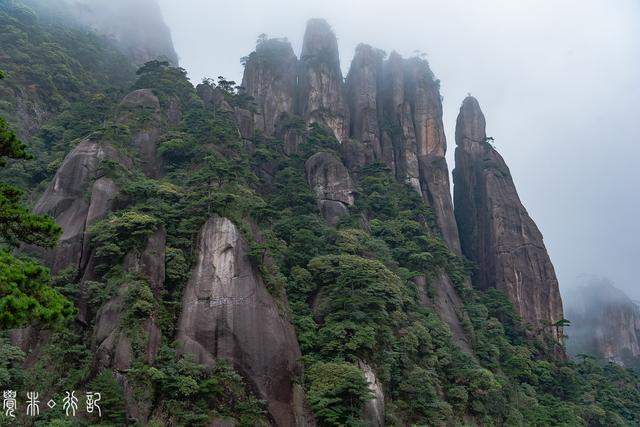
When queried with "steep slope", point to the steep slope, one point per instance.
{"points": [[65, 51], [605, 323], [50, 64], [495, 228]]}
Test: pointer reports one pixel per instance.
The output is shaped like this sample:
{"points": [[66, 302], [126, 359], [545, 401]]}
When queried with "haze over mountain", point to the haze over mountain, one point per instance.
{"points": [[558, 80]]}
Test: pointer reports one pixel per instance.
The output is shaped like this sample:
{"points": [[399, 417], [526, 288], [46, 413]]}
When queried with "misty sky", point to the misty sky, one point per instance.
{"points": [[557, 81]]}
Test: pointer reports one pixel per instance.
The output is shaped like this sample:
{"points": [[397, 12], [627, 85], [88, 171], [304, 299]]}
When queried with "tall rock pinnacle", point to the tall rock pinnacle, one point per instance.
{"points": [[363, 81], [496, 231], [423, 93], [388, 111], [270, 77], [321, 99]]}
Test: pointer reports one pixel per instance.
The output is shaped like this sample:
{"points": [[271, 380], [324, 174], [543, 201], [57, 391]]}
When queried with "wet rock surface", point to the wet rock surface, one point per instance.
{"points": [[227, 313]]}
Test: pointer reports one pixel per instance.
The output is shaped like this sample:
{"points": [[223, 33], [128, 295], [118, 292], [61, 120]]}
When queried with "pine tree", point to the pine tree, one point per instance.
{"points": [[26, 295]]}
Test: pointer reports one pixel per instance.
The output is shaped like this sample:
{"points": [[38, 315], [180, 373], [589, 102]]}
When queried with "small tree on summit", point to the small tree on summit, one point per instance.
{"points": [[25, 292]]}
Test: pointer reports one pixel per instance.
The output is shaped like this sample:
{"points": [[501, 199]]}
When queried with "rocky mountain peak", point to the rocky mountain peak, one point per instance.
{"points": [[137, 27], [321, 99], [270, 77], [496, 232], [471, 124], [320, 43]]}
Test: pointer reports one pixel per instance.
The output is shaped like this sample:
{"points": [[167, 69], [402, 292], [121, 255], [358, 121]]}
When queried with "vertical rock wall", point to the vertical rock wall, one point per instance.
{"points": [[387, 111], [495, 228], [270, 77], [227, 313]]}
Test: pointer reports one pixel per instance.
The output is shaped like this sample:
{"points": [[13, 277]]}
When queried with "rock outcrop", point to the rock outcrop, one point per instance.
{"points": [[388, 111], [65, 201], [113, 339], [495, 229], [140, 110], [227, 313], [320, 96], [270, 77], [330, 181], [363, 81], [373, 411], [605, 323]]}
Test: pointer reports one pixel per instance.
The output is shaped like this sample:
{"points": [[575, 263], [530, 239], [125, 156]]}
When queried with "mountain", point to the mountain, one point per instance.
{"points": [[496, 231], [605, 323], [284, 253]]}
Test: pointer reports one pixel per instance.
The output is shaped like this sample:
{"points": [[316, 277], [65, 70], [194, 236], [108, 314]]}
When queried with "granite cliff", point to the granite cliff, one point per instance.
{"points": [[496, 231]]}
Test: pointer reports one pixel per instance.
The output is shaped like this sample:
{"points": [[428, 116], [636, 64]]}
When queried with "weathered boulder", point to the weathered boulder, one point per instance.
{"points": [[65, 200], [227, 313], [321, 98], [495, 229], [363, 81], [213, 98], [330, 181], [270, 77]]}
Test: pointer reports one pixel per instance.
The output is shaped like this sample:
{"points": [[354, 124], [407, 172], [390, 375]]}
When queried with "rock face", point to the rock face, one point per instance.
{"points": [[145, 132], [321, 98], [227, 313], [398, 117], [330, 181], [373, 411], [363, 81], [270, 77], [65, 201], [388, 111], [605, 323], [495, 229]]}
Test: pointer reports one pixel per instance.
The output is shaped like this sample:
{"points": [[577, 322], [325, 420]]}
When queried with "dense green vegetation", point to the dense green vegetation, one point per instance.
{"points": [[353, 290], [26, 296], [62, 81]]}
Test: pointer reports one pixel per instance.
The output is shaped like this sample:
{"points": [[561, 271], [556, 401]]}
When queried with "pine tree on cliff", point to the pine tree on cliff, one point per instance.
{"points": [[25, 292]]}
